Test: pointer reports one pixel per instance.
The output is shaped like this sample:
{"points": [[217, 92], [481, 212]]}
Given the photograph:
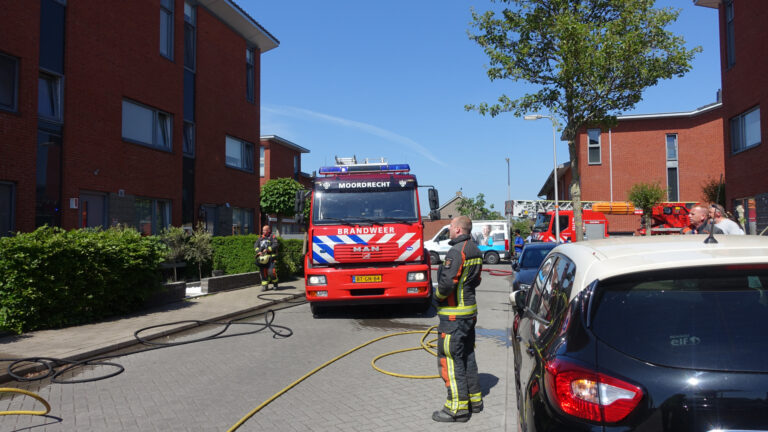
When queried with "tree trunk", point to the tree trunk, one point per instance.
{"points": [[647, 215], [200, 271], [575, 190]]}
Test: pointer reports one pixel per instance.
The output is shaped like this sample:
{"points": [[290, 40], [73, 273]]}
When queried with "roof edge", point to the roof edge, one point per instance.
{"points": [[694, 113], [283, 142]]}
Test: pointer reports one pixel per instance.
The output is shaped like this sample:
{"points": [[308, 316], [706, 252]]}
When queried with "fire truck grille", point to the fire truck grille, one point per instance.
{"points": [[366, 292], [366, 253]]}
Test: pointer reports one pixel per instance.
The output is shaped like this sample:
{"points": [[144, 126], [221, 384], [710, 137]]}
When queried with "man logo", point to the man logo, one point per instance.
{"points": [[403, 183], [326, 185], [368, 249]]}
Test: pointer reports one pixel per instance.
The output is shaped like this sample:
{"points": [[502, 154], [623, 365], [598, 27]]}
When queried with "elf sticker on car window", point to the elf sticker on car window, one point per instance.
{"points": [[684, 340], [447, 263]]}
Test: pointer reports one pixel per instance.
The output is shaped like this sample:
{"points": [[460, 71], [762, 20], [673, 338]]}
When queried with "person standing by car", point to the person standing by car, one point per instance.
{"points": [[458, 277], [266, 255], [718, 215], [700, 224], [519, 243]]}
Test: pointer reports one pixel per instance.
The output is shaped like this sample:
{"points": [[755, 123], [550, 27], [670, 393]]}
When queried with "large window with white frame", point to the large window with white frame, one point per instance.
{"points": [[673, 184], [9, 82], [148, 126], [239, 154], [745, 130], [261, 161], [593, 147]]}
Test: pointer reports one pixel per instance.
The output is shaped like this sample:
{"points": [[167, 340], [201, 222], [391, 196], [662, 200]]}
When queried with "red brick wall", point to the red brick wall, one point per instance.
{"points": [[19, 37], [222, 109], [123, 62], [278, 161], [745, 85]]}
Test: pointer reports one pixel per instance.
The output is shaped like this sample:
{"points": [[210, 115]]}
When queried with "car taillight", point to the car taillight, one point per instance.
{"points": [[590, 395]]}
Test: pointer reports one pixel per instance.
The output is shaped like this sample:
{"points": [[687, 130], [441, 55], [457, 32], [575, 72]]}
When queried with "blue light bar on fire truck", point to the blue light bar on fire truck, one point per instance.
{"points": [[366, 168]]}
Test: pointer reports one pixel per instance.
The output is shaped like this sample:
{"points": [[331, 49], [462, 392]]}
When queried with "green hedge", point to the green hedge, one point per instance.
{"points": [[235, 254], [52, 278]]}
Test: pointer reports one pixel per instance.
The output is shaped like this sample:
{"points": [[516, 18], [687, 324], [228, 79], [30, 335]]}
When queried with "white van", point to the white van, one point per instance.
{"points": [[492, 237]]}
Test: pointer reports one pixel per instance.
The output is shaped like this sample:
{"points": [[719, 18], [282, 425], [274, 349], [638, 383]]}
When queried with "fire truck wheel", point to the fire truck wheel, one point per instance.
{"points": [[316, 310], [434, 258], [491, 258]]}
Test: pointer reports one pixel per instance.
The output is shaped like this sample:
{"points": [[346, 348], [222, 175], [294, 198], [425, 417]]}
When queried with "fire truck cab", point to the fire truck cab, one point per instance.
{"points": [[595, 226], [365, 237]]}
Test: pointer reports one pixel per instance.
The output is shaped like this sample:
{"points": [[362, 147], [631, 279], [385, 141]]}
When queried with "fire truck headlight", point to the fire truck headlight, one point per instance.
{"points": [[417, 276], [316, 280]]}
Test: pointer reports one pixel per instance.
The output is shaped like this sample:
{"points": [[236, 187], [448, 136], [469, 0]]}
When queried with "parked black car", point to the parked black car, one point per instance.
{"points": [[659, 333], [528, 262]]}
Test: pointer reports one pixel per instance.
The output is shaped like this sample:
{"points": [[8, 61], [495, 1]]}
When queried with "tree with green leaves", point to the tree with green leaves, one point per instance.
{"points": [[199, 248], [278, 197], [475, 208], [713, 191], [175, 238], [592, 59], [645, 196]]}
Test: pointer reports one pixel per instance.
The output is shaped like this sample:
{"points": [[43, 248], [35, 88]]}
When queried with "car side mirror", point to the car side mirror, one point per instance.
{"points": [[516, 265], [517, 299]]}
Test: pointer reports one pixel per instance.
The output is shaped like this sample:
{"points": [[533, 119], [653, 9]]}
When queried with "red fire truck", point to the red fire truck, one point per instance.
{"points": [[365, 237], [667, 218], [595, 226]]}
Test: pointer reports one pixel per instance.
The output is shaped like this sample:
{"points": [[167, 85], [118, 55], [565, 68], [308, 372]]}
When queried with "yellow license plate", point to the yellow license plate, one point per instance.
{"points": [[366, 278]]}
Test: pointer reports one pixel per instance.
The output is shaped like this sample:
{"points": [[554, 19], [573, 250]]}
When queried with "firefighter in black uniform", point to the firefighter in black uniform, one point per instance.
{"points": [[458, 277], [266, 255]]}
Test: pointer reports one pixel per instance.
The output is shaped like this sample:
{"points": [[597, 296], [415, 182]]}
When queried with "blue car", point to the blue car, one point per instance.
{"points": [[528, 262]]}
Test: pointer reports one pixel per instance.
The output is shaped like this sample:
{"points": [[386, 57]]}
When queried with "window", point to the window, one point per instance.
{"points": [[48, 179], [242, 221], [147, 126], [249, 77], [261, 161], [593, 146], [166, 28], [152, 215], [239, 154], [745, 130], [9, 82], [672, 147], [189, 35], [295, 167], [189, 139], [6, 208], [49, 97], [730, 44], [672, 188]]}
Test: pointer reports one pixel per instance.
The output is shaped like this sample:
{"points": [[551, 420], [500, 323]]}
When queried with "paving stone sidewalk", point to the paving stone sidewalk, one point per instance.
{"points": [[82, 342]]}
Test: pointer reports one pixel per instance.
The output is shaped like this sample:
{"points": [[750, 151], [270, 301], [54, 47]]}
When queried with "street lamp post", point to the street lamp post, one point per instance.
{"points": [[554, 172], [508, 198]]}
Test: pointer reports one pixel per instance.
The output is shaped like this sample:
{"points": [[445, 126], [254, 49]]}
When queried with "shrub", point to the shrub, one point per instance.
{"points": [[235, 254], [53, 278]]}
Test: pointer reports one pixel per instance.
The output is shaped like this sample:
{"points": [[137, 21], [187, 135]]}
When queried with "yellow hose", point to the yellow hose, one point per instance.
{"points": [[30, 394], [424, 345]]}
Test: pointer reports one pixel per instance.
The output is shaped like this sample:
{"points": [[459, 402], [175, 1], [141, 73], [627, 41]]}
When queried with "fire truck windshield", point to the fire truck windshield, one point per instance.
{"points": [[542, 222], [370, 206]]}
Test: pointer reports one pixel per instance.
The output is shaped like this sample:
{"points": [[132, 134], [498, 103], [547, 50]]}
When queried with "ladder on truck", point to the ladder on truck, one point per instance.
{"points": [[530, 208]]}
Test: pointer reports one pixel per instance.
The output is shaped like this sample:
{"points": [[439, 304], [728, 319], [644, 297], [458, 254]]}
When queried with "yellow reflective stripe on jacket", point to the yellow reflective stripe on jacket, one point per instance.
{"points": [[457, 310], [473, 261]]}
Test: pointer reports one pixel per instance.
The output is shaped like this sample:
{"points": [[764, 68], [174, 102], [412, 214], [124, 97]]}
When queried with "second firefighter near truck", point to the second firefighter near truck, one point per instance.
{"points": [[266, 256], [458, 277]]}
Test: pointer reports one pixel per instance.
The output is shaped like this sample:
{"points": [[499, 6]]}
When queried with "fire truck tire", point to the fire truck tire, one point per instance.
{"points": [[316, 310], [434, 258], [491, 258]]}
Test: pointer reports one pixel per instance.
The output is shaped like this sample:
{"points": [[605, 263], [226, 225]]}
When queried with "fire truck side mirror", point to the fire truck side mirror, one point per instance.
{"points": [[434, 201]]}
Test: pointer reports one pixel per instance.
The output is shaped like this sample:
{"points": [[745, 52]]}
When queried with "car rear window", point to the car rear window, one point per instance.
{"points": [[533, 257], [704, 318]]}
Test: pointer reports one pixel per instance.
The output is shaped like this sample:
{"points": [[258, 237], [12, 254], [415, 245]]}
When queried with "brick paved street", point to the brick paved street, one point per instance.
{"points": [[209, 386]]}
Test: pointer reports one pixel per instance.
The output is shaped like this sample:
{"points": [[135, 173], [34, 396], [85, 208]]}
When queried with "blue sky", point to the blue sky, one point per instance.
{"points": [[391, 78]]}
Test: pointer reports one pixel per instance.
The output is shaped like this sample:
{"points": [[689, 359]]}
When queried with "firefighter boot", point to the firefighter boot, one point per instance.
{"points": [[476, 407], [446, 417], [264, 285]]}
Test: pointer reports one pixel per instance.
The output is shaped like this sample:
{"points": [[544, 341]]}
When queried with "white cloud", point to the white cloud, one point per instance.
{"points": [[365, 127]]}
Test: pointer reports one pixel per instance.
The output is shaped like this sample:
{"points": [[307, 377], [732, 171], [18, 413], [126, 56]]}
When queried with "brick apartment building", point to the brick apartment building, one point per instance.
{"points": [[681, 151], [743, 33], [143, 113], [280, 158]]}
